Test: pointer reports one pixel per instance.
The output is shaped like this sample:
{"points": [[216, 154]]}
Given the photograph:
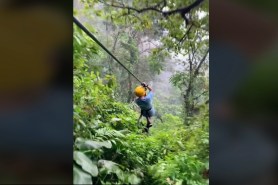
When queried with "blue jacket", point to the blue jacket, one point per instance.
{"points": [[146, 104]]}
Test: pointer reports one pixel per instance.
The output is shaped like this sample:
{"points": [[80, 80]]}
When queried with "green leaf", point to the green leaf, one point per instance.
{"points": [[90, 144], [133, 179], [82, 122], [179, 182], [86, 163], [115, 119], [81, 177], [110, 166], [77, 40], [181, 144], [106, 144]]}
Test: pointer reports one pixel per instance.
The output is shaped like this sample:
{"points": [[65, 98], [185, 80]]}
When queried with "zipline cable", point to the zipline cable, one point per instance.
{"points": [[80, 25]]}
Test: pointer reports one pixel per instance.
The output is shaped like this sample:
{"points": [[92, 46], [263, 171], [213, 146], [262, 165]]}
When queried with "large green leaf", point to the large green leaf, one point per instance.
{"points": [[86, 163], [133, 179], [110, 166], [90, 144], [81, 177]]}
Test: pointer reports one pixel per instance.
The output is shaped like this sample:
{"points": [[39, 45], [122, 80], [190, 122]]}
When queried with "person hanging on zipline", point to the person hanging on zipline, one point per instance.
{"points": [[144, 101]]}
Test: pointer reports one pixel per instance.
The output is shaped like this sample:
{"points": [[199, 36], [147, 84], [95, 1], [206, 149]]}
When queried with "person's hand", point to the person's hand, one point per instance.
{"points": [[144, 84]]}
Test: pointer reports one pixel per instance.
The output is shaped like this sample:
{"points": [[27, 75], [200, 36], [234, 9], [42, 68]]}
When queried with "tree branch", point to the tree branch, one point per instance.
{"points": [[185, 10], [146, 50], [136, 10], [204, 92], [149, 41], [164, 3], [153, 8], [200, 64], [158, 8]]}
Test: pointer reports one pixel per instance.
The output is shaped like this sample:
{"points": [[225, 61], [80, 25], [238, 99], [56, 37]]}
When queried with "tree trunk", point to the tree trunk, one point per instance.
{"points": [[130, 94], [188, 91], [189, 95], [132, 55], [110, 59]]}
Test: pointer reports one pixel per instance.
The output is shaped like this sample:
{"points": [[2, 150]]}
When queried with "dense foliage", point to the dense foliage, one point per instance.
{"points": [[109, 146]]}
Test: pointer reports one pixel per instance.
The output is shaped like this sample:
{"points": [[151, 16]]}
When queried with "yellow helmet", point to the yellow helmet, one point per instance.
{"points": [[140, 91]]}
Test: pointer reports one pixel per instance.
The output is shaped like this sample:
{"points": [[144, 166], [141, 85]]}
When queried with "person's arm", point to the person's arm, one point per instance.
{"points": [[147, 86]]}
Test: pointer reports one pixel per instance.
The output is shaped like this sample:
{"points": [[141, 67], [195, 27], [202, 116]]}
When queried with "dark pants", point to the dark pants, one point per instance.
{"points": [[147, 115]]}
